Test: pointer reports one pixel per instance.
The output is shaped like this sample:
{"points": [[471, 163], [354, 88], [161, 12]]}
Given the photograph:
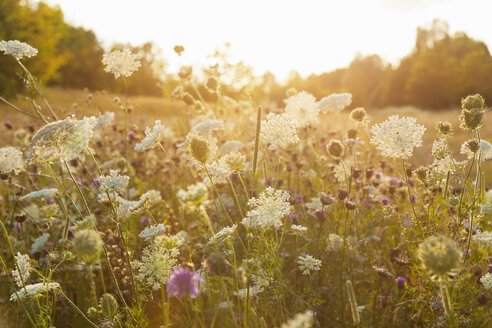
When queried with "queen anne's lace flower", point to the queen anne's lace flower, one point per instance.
{"points": [[22, 274], [60, 140], [11, 160], [34, 290], [486, 280], [146, 201], [17, 49], [219, 170], [39, 242], [335, 102], [207, 126], [121, 62], [223, 234], [196, 193], [301, 320], [303, 108], [334, 242], [485, 150], [397, 137], [104, 120], [298, 228], [152, 136], [343, 169], [308, 263], [278, 131], [151, 231], [484, 238], [156, 265], [268, 209], [230, 147], [113, 182], [47, 192]]}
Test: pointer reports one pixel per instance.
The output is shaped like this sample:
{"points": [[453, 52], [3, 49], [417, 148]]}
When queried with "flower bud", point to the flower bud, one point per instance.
{"points": [[473, 145], [358, 114], [199, 148], [421, 173], [87, 245], [471, 119], [473, 101], [439, 255], [212, 83], [335, 148], [109, 305], [444, 128]]}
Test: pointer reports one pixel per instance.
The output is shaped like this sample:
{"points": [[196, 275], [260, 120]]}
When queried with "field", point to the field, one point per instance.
{"points": [[180, 212]]}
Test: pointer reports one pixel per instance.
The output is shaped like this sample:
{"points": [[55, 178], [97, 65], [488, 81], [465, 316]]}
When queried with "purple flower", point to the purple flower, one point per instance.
{"points": [[385, 201], [50, 200], [145, 221], [183, 281], [489, 268], [401, 282]]}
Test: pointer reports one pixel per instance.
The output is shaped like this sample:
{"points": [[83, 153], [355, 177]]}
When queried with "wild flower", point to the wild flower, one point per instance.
{"points": [[11, 160], [183, 282], [440, 148], [87, 245], [113, 182], [397, 137], [152, 137], [359, 116], [156, 265], [220, 171], [224, 234], [335, 102], [104, 120], [235, 160], [61, 140], [307, 264], [484, 238], [196, 194], [207, 126], [486, 280], [230, 146], [47, 192], [23, 273], [34, 290], [17, 49], [39, 242], [343, 169], [439, 255], [334, 242], [151, 231], [278, 131], [485, 150], [302, 108], [298, 228], [121, 63], [268, 209], [146, 201]]}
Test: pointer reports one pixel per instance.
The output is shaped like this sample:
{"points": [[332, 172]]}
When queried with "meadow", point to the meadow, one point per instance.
{"points": [[128, 211]]}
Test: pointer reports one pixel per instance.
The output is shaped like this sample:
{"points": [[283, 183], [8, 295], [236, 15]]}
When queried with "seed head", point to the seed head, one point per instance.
{"points": [[444, 128], [335, 148], [199, 148], [439, 255]]}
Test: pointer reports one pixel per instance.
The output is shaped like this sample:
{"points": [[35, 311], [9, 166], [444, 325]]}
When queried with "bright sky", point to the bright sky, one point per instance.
{"points": [[277, 35]]}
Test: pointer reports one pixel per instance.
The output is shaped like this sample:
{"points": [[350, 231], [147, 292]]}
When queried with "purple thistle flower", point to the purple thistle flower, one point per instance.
{"points": [[401, 282], [385, 201], [182, 282]]}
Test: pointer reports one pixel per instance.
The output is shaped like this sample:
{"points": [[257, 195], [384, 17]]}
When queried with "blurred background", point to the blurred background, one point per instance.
{"points": [[427, 54]]}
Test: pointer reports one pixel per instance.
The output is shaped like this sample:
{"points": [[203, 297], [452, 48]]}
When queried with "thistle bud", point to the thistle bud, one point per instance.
{"points": [[421, 173], [212, 83], [471, 119], [473, 145], [87, 245], [342, 194], [199, 148], [335, 148], [352, 133]]}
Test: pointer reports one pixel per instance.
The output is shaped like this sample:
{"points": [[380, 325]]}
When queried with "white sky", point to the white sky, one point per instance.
{"points": [[277, 35]]}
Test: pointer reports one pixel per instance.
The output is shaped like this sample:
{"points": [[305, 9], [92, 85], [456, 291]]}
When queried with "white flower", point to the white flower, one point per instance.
{"points": [[11, 160], [298, 228], [343, 169], [484, 238], [335, 102], [268, 209], [314, 205], [334, 242], [397, 137], [486, 280], [440, 148], [17, 49], [34, 290], [229, 147], [104, 120], [39, 242], [121, 63], [302, 108], [207, 126], [301, 320], [308, 263], [61, 140], [152, 137], [156, 265], [113, 182], [146, 201], [22, 274], [220, 171], [151, 231], [485, 150], [223, 234], [47, 192], [196, 193], [278, 131]]}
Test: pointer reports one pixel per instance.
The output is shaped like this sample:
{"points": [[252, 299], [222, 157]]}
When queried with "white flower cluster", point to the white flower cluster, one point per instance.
{"points": [[308, 263], [104, 120], [298, 228], [485, 150], [33, 290], [22, 274], [17, 49], [220, 171], [121, 63], [156, 265], [152, 136], [39, 242], [302, 108], [11, 160], [397, 137], [484, 238], [300, 320], [207, 126], [334, 242], [223, 234], [113, 182], [229, 147], [60, 140], [151, 231], [268, 209], [196, 193], [343, 169], [486, 280], [278, 131], [146, 201], [335, 102]]}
